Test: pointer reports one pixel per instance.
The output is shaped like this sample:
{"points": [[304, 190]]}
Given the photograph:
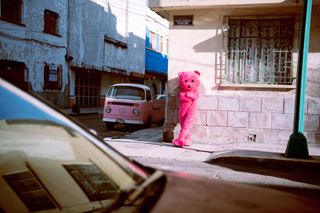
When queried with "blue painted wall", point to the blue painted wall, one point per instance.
{"points": [[155, 61]]}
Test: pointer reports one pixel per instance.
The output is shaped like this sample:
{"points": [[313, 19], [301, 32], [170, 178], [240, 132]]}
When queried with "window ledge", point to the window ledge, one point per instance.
{"points": [[257, 86], [52, 34], [12, 22], [115, 42]]}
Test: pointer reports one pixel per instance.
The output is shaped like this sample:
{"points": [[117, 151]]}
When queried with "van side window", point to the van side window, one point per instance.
{"points": [[148, 95]]}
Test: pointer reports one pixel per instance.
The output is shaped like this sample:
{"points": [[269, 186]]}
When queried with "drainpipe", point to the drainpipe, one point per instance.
{"points": [[297, 145]]}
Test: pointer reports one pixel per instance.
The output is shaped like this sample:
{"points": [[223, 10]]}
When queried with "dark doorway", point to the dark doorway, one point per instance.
{"points": [[14, 72]]}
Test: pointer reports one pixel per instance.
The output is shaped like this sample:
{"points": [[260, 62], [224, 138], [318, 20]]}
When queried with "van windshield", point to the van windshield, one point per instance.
{"points": [[126, 92]]}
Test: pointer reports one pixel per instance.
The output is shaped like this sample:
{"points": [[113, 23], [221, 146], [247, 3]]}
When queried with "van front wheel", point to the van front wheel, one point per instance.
{"points": [[109, 125]]}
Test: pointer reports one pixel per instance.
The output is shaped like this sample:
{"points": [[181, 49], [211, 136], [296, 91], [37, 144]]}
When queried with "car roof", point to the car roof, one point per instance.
{"points": [[133, 85]]}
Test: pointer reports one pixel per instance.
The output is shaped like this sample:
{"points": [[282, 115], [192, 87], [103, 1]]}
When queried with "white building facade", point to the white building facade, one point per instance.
{"points": [[246, 52], [156, 62]]}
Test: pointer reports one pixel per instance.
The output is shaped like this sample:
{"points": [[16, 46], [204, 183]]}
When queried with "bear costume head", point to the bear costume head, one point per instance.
{"points": [[189, 81]]}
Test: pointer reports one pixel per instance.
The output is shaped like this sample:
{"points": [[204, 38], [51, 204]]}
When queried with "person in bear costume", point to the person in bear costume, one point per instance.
{"points": [[189, 83]]}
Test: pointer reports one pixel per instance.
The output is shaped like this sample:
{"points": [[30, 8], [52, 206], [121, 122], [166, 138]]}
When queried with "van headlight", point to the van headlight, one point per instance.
{"points": [[108, 109], [136, 112]]}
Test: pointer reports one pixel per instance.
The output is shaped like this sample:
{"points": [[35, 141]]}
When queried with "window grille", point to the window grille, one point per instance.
{"points": [[260, 51], [87, 89]]}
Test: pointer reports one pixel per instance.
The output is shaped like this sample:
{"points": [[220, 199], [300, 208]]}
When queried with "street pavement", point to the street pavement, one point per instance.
{"points": [[249, 163]]}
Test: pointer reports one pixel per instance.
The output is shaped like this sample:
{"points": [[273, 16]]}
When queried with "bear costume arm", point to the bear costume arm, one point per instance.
{"points": [[183, 97], [192, 95]]}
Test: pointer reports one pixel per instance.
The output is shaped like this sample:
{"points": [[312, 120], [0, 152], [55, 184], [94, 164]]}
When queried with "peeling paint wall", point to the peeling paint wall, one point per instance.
{"points": [[29, 44], [121, 21]]}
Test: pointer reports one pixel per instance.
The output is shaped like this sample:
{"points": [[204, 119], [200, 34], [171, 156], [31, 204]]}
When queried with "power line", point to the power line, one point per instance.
{"points": [[112, 5]]}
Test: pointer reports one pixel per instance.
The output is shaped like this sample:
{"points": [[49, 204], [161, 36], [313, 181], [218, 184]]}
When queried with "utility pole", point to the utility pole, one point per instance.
{"points": [[297, 145]]}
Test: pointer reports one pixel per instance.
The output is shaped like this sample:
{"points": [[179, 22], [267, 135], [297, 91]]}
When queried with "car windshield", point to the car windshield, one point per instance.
{"points": [[126, 92], [49, 162]]}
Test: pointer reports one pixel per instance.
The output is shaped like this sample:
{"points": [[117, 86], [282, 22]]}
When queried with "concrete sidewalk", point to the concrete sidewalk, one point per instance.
{"points": [[248, 163], [147, 143]]}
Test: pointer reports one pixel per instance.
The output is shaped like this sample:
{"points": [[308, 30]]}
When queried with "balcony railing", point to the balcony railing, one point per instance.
{"points": [[258, 67]]}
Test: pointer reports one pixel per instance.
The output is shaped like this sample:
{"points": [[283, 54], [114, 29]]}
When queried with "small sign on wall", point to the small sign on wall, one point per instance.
{"points": [[52, 76], [53, 73], [183, 20]]}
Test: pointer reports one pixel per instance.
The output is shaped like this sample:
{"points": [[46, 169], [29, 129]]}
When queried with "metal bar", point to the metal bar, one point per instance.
{"points": [[297, 146], [302, 68]]}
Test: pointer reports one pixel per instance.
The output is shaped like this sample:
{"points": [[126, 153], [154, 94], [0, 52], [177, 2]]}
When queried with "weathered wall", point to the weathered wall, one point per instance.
{"points": [[27, 43], [123, 21]]}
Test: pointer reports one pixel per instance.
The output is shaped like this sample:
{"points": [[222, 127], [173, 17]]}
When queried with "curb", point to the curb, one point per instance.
{"points": [[270, 164]]}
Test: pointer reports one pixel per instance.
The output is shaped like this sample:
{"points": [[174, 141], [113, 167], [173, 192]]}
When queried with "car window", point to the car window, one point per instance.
{"points": [[49, 162], [15, 107], [126, 92], [161, 97], [60, 159]]}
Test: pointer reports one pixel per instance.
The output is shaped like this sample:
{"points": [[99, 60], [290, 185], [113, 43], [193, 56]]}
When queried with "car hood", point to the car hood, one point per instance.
{"points": [[186, 193]]}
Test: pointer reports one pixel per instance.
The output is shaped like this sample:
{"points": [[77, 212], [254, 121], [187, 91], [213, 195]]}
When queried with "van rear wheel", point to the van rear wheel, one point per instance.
{"points": [[109, 125]]}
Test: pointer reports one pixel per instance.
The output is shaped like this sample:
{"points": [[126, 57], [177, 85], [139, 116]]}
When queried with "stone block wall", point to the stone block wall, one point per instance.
{"points": [[223, 119]]}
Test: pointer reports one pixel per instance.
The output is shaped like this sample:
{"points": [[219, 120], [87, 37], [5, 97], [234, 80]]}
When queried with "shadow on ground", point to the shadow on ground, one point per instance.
{"points": [[271, 164]]}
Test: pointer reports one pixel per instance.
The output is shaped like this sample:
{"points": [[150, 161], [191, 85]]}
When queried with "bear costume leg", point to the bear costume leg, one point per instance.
{"points": [[188, 141], [184, 134]]}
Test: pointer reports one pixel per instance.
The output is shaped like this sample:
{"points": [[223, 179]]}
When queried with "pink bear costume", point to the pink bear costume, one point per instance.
{"points": [[189, 83]]}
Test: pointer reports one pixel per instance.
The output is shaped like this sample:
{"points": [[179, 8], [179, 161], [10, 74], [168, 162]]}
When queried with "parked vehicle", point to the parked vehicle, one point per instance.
{"points": [[129, 103], [49, 163]]}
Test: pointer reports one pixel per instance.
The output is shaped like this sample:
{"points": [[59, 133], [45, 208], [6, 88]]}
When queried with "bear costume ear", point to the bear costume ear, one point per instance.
{"points": [[197, 72], [180, 73]]}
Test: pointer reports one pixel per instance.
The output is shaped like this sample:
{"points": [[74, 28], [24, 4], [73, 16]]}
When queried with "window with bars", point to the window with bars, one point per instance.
{"points": [[51, 22], [11, 10], [87, 88], [260, 51]]}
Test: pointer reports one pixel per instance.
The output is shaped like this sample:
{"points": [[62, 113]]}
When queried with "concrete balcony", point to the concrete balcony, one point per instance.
{"points": [[163, 5]]}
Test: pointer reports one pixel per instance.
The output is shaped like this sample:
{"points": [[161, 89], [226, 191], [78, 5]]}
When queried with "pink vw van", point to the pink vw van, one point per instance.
{"points": [[129, 103]]}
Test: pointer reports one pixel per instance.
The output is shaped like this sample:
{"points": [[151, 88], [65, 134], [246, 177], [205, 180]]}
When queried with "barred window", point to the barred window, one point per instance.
{"points": [[11, 10], [87, 88], [260, 51], [51, 22]]}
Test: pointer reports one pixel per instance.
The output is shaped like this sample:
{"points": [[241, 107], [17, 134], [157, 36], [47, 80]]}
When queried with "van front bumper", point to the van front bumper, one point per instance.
{"points": [[113, 120]]}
